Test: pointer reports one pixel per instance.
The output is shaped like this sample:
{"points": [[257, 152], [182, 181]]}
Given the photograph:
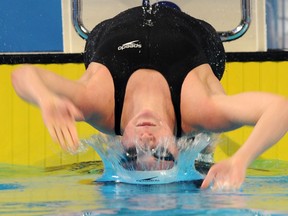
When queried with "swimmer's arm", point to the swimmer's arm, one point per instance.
{"points": [[35, 84], [268, 113], [53, 94]]}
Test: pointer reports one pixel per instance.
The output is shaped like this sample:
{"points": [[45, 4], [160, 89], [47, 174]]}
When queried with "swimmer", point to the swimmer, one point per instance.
{"points": [[149, 82]]}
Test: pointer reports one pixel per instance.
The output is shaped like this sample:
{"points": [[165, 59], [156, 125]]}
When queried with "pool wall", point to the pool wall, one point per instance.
{"points": [[25, 140], [46, 26]]}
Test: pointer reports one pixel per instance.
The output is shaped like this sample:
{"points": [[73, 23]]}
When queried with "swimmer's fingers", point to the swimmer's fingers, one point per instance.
{"points": [[59, 115], [62, 129], [67, 133], [65, 136], [69, 130], [60, 138], [70, 135], [225, 176], [53, 133], [208, 179], [221, 183]]}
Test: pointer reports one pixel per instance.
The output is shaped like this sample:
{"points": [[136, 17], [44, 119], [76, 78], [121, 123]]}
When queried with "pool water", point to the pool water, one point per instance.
{"points": [[71, 190]]}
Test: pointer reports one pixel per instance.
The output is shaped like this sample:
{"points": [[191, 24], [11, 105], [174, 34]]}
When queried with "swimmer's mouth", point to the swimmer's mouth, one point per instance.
{"points": [[143, 124]]}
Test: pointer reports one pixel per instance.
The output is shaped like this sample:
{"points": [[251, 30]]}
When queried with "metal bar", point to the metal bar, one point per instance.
{"points": [[242, 28], [283, 25], [77, 19], [234, 34]]}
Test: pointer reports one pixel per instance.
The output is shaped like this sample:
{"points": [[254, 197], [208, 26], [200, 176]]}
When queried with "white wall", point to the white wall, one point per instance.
{"points": [[224, 15]]}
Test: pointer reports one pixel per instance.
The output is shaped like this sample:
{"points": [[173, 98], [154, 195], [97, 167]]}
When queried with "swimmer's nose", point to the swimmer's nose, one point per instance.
{"points": [[147, 139]]}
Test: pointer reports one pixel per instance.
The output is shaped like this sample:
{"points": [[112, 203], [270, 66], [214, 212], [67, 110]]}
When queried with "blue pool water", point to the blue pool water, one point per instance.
{"points": [[71, 190]]}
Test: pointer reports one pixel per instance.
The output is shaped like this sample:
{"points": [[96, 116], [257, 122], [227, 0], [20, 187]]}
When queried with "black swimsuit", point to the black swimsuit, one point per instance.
{"points": [[173, 43]]}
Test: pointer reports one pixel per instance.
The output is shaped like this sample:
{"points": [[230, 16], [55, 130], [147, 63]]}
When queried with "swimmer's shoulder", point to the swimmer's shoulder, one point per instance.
{"points": [[97, 100]]}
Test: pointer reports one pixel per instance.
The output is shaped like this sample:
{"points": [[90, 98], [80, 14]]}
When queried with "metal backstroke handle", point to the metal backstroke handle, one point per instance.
{"points": [[233, 34], [242, 28], [77, 19]]}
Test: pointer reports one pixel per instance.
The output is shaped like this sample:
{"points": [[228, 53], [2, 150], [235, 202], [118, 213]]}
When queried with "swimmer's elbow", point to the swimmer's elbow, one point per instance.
{"points": [[16, 77], [19, 78], [19, 73]]}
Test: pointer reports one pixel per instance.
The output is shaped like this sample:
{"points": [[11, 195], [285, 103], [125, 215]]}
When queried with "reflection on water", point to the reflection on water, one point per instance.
{"points": [[71, 190]]}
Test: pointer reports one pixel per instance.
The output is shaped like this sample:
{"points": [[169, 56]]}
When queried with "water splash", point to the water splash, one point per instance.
{"points": [[149, 10], [147, 13], [112, 154], [146, 3]]}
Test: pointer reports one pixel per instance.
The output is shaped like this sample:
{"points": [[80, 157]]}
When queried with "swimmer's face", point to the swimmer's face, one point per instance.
{"points": [[149, 143]]}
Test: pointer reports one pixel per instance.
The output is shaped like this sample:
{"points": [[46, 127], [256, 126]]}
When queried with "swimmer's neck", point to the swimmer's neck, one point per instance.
{"points": [[148, 91]]}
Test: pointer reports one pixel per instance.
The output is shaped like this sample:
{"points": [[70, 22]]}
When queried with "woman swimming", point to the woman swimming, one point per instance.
{"points": [[149, 82]]}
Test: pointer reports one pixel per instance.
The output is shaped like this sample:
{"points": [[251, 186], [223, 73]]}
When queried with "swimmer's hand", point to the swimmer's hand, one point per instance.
{"points": [[227, 175], [59, 115]]}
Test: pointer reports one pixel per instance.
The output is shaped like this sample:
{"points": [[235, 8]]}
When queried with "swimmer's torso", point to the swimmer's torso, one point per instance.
{"points": [[174, 44]]}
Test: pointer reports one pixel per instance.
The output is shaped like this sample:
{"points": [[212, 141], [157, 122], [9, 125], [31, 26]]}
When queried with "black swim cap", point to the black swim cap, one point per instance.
{"points": [[168, 4]]}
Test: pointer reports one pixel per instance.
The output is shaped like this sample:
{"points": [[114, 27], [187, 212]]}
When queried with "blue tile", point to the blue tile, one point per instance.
{"points": [[31, 26]]}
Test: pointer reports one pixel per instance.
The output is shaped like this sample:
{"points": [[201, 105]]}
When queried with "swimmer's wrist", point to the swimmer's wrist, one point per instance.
{"points": [[240, 159], [44, 100]]}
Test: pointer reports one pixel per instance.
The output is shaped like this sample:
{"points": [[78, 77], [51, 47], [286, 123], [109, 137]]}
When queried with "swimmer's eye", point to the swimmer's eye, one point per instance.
{"points": [[163, 154], [131, 154]]}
